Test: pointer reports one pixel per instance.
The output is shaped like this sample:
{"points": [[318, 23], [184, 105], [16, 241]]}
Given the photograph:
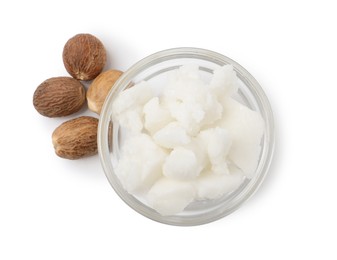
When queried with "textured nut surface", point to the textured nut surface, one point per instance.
{"points": [[76, 138], [84, 56], [59, 96], [99, 89]]}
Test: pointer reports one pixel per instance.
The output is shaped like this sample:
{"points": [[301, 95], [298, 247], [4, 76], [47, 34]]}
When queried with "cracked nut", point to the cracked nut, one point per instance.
{"points": [[99, 89]]}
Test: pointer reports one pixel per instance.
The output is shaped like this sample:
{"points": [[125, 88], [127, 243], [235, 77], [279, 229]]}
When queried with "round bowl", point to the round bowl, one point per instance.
{"points": [[154, 68]]}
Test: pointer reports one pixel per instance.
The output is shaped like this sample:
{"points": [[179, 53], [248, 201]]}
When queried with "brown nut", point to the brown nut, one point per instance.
{"points": [[84, 56], [59, 96], [76, 138], [99, 89]]}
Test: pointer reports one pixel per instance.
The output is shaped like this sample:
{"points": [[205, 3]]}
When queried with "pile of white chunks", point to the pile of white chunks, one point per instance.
{"points": [[191, 142]]}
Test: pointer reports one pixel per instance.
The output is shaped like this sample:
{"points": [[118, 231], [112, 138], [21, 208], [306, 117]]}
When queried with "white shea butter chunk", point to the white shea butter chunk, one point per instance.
{"points": [[198, 148], [187, 114], [188, 71], [169, 196], [190, 100], [132, 120], [213, 110], [192, 114], [171, 136], [128, 106], [224, 82], [132, 97], [156, 116], [213, 186], [217, 142], [181, 164], [140, 164], [182, 81], [246, 128]]}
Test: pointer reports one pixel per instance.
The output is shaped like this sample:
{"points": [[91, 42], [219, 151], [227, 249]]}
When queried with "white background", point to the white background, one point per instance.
{"points": [[51, 208]]}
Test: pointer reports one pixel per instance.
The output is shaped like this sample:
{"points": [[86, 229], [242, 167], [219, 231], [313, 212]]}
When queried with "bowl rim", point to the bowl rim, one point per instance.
{"points": [[161, 56]]}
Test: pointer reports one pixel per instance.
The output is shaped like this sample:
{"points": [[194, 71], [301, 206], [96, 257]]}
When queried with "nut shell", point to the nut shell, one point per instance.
{"points": [[59, 96], [99, 89], [76, 138], [84, 56]]}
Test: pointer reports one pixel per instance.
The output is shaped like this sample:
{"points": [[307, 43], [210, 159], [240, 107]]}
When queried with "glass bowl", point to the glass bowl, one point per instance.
{"points": [[154, 68]]}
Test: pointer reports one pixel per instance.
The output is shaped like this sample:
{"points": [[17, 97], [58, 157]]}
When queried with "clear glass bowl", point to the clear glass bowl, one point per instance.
{"points": [[154, 68]]}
